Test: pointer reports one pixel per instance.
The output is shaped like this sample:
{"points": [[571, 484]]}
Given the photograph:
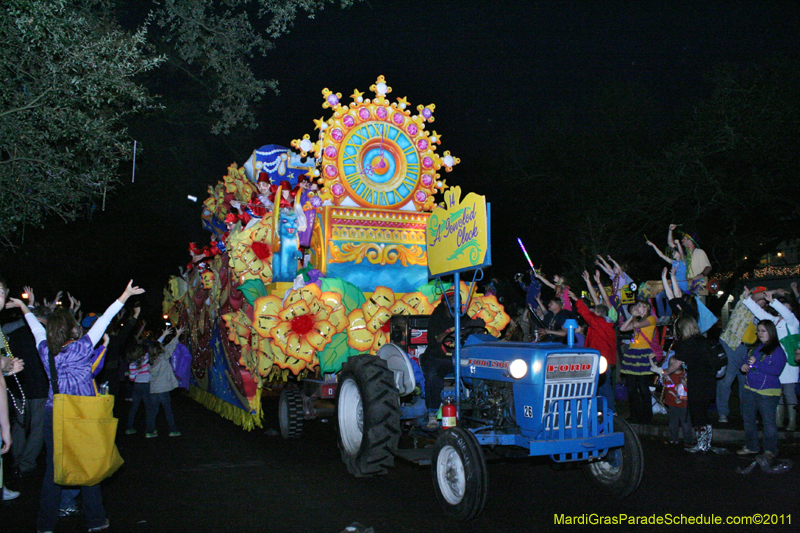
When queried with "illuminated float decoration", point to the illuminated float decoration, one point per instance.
{"points": [[313, 252]]}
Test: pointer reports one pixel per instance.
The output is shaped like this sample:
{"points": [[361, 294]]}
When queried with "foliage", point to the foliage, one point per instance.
{"points": [[72, 77], [68, 83], [726, 169], [216, 42]]}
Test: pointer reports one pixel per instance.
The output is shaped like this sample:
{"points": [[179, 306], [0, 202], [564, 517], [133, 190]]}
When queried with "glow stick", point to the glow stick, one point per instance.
{"points": [[192, 198], [524, 251]]}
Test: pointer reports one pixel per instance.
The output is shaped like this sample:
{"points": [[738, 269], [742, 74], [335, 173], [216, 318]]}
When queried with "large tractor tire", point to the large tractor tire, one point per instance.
{"points": [[368, 406], [290, 413], [620, 471], [459, 473]]}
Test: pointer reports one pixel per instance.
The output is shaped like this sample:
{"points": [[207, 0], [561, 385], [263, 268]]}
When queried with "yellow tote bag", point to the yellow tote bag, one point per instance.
{"points": [[84, 433]]}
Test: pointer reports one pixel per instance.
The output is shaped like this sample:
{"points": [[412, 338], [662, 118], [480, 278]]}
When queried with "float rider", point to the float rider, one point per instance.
{"points": [[437, 360]]}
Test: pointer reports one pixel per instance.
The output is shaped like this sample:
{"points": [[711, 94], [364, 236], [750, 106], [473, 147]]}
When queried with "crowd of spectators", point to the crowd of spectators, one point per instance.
{"points": [[663, 345], [91, 353]]}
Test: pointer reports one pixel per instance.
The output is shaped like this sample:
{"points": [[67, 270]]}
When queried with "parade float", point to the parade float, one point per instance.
{"points": [[313, 249]]}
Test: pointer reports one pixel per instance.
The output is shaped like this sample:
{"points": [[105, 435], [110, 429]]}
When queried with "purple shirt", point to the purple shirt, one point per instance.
{"points": [[73, 367], [75, 360]]}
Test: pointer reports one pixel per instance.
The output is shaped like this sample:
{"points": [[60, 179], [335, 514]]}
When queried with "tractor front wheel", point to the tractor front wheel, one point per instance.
{"points": [[459, 473], [620, 471]]}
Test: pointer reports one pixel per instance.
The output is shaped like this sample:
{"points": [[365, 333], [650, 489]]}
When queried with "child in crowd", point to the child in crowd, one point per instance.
{"points": [[619, 280], [162, 381], [678, 263], [559, 284], [675, 397], [139, 374]]}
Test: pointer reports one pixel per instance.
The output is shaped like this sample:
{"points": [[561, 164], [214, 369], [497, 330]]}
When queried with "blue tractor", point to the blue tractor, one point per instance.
{"points": [[538, 399]]}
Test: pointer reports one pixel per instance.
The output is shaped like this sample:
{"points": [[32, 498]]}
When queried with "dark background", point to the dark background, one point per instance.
{"points": [[496, 71]]}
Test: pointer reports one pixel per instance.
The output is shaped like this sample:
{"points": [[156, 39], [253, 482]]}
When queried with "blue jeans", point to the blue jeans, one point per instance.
{"points": [[753, 403], [141, 394], [51, 493], [435, 369], [157, 399], [661, 304], [735, 361]]}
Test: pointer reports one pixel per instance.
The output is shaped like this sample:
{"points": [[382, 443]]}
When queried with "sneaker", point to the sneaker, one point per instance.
{"points": [[723, 419], [746, 451], [68, 511], [174, 433], [432, 422], [130, 431], [100, 528], [150, 436], [9, 494]]}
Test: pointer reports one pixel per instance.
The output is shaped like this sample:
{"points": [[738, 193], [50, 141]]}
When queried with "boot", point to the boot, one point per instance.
{"points": [[792, 411], [703, 434], [709, 433], [779, 416]]}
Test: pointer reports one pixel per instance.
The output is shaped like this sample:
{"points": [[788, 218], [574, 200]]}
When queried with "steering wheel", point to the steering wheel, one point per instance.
{"points": [[449, 340]]}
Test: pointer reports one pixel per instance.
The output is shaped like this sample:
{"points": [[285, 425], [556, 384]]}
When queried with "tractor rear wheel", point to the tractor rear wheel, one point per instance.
{"points": [[290, 413], [368, 406]]}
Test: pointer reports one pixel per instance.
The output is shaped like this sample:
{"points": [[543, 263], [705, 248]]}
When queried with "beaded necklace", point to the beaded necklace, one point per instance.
{"points": [[5, 351]]}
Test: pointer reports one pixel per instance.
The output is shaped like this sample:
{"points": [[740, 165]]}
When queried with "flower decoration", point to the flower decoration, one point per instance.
{"points": [[370, 324], [490, 311], [250, 254], [299, 327]]}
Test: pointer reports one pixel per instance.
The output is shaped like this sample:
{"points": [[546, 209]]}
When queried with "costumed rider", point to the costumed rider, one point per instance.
{"points": [[437, 360]]}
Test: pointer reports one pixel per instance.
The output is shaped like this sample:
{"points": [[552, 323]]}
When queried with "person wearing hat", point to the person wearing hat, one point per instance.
{"points": [[698, 267]]}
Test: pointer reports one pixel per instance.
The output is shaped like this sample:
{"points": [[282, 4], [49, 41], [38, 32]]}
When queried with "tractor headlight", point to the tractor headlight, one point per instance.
{"points": [[603, 364], [517, 369]]}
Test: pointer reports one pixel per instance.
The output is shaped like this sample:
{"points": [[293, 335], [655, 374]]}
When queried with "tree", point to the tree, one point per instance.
{"points": [[73, 77], [68, 85], [727, 170]]}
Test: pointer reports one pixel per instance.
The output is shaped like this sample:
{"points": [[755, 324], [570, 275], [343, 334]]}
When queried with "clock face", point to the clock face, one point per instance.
{"points": [[379, 165]]}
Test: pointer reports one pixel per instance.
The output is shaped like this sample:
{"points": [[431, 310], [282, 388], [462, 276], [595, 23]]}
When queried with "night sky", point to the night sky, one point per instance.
{"points": [[494, 71]]}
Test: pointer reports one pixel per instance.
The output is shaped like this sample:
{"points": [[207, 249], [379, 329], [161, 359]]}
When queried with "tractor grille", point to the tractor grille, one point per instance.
{"points": [[562, 408]]}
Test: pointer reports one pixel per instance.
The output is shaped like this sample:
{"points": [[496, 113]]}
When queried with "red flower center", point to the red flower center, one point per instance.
{"points": [[302, 324], [386, 327]]}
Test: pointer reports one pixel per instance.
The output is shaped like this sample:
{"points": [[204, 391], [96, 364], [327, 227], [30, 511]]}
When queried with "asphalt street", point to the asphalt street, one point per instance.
{"points": [[217, 477]]}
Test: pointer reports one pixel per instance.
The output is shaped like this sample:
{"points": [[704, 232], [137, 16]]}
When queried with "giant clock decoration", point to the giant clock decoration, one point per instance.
{"points": [[376, 154]]}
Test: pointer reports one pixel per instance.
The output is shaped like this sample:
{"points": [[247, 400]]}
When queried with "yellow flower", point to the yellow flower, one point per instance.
{"points": [[370, 325], [304, 328]]}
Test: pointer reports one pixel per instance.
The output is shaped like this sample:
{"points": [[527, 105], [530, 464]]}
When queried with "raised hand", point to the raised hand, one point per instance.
{"points": [[745, 293], [12, 303], [29, 291], [130, 290]]}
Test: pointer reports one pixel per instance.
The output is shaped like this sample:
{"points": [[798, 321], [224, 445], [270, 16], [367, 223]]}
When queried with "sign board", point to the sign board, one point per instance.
{"points": [[458, 237]]}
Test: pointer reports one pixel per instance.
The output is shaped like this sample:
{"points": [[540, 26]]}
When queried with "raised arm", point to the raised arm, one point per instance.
{"points": [[756, 309], [667, 285], [670, 238], [659, 252], [605, 266], [792, 324], [545, 281], [100, 325], [36, 327], [676, 288], [589, 286]]}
